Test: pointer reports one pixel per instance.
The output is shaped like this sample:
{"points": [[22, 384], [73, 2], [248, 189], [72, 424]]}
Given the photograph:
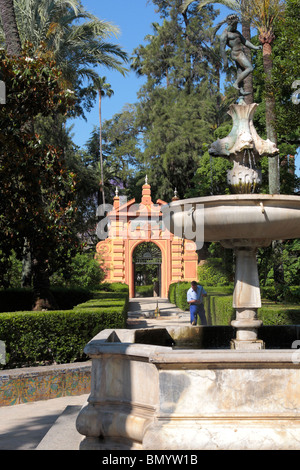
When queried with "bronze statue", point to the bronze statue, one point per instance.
{"points": [[235, 40]]}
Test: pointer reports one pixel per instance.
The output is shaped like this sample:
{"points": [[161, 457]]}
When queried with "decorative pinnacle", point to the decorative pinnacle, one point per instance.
{"points": [[117, 191]]}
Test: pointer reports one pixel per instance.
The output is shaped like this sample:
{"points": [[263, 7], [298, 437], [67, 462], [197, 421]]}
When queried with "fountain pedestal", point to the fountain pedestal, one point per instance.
{"points": [[246, 295]]}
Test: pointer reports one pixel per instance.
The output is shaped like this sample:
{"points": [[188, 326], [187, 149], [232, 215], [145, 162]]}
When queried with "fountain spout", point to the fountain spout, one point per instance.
{"points": [[244, 147]]}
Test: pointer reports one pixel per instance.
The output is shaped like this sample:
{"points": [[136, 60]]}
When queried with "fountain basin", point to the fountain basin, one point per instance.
{"points": [[242, 222], [152, 397], [258, 217]]}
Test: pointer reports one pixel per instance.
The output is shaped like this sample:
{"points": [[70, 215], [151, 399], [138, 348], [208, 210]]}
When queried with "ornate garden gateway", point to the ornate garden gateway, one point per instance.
{"points": [[129, 225]]}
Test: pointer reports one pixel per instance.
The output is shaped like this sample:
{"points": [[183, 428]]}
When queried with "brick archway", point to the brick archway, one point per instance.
{"points": [[130, 224]]}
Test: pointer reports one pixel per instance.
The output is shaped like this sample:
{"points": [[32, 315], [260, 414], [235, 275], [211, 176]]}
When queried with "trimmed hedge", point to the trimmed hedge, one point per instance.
{"points": [[144, 291], [219, 310], [279, 314], [35, 338], [290, 294], [177, 294]]}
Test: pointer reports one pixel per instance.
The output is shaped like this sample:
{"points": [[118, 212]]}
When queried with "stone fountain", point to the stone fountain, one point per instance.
{"points": [[244, 220], [148, 395]]}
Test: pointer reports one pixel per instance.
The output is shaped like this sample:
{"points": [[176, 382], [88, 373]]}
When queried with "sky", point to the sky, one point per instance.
{"points": [[134, 19]]}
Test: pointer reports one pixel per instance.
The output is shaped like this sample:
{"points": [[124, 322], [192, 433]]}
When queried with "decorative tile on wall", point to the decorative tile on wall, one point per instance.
{"points": [[42, 383]]}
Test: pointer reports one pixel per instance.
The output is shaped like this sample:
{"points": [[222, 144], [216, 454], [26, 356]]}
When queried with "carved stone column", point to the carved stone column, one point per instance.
{"points": [[246, 295]]}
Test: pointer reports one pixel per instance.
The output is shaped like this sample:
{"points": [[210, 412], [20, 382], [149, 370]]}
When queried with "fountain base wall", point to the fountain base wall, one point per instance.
{"points": [[152, 397]]}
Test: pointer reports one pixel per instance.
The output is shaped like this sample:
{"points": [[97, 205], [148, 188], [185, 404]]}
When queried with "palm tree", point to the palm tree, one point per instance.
{"points": [[104, 89], [262, 14], [78, 40], [10, 28]]}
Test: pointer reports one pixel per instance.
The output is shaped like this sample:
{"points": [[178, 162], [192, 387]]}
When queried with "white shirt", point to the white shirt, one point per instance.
{"points": [[193, 295]]}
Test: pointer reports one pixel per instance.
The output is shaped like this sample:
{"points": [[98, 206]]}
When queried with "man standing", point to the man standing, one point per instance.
{"points": [[194, 298]]}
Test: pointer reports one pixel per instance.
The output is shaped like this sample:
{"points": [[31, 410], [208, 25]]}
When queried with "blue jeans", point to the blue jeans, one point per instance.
{"points": [[196, 310]]}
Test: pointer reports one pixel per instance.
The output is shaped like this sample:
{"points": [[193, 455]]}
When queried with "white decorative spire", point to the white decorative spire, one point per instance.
{"points": [[146, 179]]}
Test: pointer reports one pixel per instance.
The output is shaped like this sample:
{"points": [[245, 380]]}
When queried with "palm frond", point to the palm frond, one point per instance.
{"points": [[232, 4]]}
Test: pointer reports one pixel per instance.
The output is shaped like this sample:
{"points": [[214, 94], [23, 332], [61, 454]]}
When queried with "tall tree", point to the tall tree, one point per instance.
{"points": [[121, 152], [177, 109], [77, 39], [104, 90], [37, 191], [239, 6], [263, 15]]}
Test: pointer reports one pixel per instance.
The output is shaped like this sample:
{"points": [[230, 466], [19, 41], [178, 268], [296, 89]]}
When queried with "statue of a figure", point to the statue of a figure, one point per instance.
{"points": [[232, 38]]}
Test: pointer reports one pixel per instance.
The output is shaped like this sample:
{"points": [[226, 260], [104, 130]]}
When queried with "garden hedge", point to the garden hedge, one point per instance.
{"points": [[59, 336], [219, 310]]}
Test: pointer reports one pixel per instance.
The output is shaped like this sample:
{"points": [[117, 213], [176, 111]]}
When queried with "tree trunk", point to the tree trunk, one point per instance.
{"points": [[26, 265], [12, 38], [43, 299], [101, 156], [266, 38], [248, 82], [274, 177]]}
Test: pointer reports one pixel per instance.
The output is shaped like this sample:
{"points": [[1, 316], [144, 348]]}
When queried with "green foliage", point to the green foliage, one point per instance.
{"points": [[219, 309], [144, 291], [172, 293], [279, 315], [76, 39], [34, 179], [212, 273], [286, 63], [83, 270], [177, 294], [33, 338], [179, 106], [10, 270], [287, 257], [211, 176]]}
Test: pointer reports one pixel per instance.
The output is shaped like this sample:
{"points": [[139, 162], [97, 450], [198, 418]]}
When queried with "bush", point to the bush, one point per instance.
{"points": [[282, 293], [212, 273], [219, 309], [83, 271], [172, 293], [144, 291], [279, 315], [181, 291], [34, 338]]}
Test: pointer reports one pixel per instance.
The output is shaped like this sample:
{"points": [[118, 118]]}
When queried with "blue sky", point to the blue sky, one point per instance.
{"points": [[134, 19]]}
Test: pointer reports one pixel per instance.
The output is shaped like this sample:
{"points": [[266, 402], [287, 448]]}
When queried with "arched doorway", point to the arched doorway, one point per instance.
{"points": [[147, 260]]}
